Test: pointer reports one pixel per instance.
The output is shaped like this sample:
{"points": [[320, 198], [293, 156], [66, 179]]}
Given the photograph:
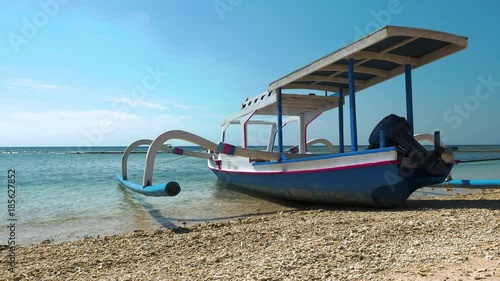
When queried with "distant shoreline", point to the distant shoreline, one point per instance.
{"points": [[108, 152], [143, 150]]}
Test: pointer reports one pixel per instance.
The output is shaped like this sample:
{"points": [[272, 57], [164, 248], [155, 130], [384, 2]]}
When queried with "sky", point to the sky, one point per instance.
{"points": [[105, 73]]}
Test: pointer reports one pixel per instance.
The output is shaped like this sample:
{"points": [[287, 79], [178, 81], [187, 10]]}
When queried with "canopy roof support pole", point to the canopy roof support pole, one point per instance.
{"points": [[302, 134], [280, 120], [244, 123], [409, 97], [352, 105], [341, 121], [270, 144], [224, 128]]}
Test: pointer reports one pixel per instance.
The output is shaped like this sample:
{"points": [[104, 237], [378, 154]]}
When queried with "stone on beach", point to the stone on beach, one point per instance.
{"points": [[425, 239]]}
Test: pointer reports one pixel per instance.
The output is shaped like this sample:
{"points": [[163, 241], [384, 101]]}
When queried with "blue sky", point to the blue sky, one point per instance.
{"points": [[77, 73]]}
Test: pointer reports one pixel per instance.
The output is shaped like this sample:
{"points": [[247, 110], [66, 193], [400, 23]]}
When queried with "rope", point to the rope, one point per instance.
{"points": [[175, 159], [182, 157]]}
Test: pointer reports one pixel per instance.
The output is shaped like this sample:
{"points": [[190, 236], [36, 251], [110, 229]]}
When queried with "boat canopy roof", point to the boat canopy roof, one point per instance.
{"points": [[293, 105], [377, 57]]}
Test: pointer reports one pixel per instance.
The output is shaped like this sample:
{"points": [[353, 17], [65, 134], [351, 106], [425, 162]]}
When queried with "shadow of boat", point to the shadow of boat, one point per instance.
{"points": [[141, 207], [226, 192]]}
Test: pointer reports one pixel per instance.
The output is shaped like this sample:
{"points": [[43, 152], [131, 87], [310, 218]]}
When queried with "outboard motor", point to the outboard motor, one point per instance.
{"points": [[397, 133]]}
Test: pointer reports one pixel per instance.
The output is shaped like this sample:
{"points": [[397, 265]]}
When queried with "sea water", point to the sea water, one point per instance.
{"points": [[64, 193]]}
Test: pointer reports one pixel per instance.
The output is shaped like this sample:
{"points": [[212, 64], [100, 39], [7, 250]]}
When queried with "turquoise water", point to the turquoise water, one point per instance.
{"points": [[63, 195]]}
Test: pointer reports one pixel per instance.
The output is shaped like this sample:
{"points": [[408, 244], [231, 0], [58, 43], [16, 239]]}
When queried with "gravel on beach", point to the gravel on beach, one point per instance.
{"points": [[446, 238]]}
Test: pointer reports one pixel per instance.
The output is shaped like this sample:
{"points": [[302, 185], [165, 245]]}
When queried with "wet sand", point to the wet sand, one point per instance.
{"points": [[446, 238]]}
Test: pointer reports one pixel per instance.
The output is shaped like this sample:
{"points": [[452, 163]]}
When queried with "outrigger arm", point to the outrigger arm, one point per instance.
{"points": [[172, 188]]}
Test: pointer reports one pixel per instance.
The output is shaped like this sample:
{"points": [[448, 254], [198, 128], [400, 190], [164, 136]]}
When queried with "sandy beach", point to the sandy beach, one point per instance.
{"points": [[446, 238]]}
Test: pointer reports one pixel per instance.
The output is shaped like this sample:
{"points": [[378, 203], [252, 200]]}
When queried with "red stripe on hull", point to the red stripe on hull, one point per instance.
{"points": [[388, 162]]}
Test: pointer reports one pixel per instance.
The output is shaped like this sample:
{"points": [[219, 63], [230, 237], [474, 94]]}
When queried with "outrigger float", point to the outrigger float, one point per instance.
{"points": [[384, 175]]}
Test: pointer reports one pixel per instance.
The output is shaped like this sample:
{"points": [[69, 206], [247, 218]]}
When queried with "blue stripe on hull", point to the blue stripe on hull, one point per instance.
{"points": [[381, 186]]}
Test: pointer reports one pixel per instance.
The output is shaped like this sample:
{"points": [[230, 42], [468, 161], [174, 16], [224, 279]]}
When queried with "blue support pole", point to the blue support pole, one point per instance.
{"points": [[341, 121], [280, 120], [409, 97], [382, 138], [352, 105]]}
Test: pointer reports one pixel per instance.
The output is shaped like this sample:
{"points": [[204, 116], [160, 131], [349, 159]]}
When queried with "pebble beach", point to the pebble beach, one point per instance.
{"points": [[446, 238]]}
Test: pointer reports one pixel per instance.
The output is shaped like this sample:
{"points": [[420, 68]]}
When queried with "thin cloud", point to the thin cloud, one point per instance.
{"points": [[137, 103], [81, 127], [171, 118], [33, 84], [187, 107], [179, 105], [74, 115]]}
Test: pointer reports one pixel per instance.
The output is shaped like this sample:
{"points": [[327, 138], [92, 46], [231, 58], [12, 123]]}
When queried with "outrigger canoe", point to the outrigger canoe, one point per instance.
{"points": [[395, 164]]}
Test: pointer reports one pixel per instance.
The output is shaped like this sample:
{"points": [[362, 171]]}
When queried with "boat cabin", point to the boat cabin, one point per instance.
{"points": [[301, 108]]}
